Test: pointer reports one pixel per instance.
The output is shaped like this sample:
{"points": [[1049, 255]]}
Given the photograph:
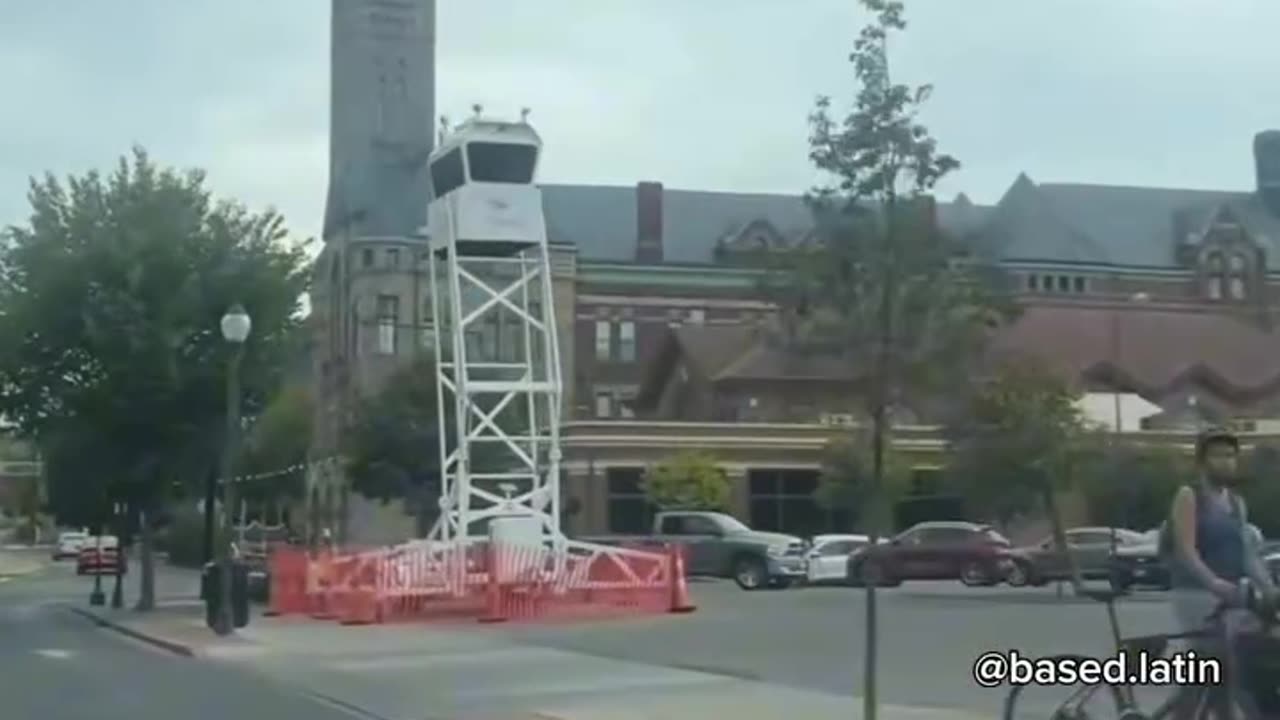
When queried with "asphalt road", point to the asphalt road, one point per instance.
{"points": [[930, 635], [56, 665], [809, 638]]}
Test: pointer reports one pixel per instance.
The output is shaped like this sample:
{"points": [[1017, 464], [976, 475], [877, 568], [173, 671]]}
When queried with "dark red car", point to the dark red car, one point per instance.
{"points": [[971, 553]]}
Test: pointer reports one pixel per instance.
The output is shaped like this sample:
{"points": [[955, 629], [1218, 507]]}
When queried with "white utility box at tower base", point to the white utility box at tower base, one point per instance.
{"points": [[517, 541]]}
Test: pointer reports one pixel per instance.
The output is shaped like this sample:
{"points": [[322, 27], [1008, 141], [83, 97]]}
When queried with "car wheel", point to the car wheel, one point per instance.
{"points": [[974, 574], [750, 573], [1019, 575], [1120, 582]]}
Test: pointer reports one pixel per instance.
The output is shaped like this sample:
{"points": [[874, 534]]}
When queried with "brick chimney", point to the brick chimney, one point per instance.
{"points": [[649, 222]]}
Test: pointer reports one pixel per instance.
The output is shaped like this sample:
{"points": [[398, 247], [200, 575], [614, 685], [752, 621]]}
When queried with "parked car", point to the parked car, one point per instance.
{"points": [[1141, 565], [828, 558], [975, 554], [99, 556], [69, 544], [1090, 547], [719, 545]]}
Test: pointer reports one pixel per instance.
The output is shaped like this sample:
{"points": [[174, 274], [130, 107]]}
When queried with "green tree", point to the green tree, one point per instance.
{"points": [[688, 481], [1261, 488], [112, 294], [880, 285], [1132, 485], [1019, 443], [845, 483], [275, 451], [391, 450]]}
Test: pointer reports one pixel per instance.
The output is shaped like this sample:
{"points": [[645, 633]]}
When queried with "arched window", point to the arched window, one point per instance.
{"points": [[1236, 280], [1216, 275]]}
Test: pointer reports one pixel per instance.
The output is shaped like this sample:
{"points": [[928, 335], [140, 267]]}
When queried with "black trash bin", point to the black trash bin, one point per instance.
{"points": [[211, 593]]}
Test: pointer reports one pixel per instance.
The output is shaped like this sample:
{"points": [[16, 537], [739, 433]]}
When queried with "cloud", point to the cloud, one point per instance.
{"points": [[710, 94]]}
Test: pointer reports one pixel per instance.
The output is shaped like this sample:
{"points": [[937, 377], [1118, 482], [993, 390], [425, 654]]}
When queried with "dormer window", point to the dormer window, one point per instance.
{"points": [[1236, 281], [1216, 275]]}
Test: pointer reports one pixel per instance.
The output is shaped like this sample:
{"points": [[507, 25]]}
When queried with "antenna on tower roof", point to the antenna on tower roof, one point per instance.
{"points": [[444, 127], [477, 109], [524, 115]]}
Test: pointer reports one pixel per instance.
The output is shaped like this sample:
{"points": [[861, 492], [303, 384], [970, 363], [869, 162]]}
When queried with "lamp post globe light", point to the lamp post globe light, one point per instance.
{"points": [[235, 326]]}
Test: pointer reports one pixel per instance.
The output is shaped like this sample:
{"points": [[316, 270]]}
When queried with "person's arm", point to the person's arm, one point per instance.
{"points": [[1184, 542], [1253, 564]]}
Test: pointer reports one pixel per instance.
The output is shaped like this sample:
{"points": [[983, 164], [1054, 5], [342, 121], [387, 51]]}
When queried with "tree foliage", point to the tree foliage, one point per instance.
{"points": [[391, 449], [688, 481], [1261, 488], [1019, 435], [1132, 486], [275, 449], [112, 294], [845, 484]]}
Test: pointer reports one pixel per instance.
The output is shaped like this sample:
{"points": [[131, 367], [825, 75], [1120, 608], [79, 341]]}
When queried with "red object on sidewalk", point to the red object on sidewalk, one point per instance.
{"points": [[494, 609], [318, 592], [680, 600], [362, 595], [288, 593]]}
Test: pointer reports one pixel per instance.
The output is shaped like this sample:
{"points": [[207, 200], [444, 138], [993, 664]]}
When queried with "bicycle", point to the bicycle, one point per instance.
{"points": [[1204, 702]]}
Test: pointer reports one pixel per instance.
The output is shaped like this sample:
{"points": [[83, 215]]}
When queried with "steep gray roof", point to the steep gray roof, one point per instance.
{"points": [[1127, 226], [601, 220]]}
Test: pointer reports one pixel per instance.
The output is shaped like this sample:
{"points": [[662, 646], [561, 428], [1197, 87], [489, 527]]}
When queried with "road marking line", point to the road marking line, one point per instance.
{"points": [[55, 654]]}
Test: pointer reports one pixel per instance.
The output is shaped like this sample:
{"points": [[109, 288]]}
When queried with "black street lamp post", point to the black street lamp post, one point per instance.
{"points": [[117, 592], [235, 330]]}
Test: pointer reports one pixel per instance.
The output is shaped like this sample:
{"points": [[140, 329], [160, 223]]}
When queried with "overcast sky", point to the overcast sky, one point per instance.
{"points": [[707, 94]]}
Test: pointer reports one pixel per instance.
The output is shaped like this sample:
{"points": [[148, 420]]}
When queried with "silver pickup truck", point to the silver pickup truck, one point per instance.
{"points": [[718, 545]]}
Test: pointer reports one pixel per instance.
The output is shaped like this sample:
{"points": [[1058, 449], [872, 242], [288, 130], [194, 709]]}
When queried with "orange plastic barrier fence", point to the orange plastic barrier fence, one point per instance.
{"points": [[486, 582]]}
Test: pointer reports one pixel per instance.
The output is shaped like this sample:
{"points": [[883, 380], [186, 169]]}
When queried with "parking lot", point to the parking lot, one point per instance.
{"points": [[812, 637]]}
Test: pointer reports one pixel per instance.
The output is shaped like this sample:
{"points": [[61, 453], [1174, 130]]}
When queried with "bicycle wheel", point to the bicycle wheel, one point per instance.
{"points": [[1084, 701]]}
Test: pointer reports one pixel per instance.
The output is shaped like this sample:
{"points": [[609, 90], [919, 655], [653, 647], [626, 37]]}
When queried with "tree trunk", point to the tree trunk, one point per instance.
{"points": [[146, 564], [1060, 538]]}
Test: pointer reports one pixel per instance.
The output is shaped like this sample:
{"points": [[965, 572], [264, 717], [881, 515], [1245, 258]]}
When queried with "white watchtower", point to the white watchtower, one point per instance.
{"points": [[498, 362]]}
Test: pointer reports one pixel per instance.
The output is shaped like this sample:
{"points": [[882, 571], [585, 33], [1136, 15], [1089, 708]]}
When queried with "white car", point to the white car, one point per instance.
{"points": [[829, 557], [69, 544]]}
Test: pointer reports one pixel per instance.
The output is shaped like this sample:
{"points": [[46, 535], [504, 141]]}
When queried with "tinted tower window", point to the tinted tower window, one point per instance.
{"points": [[501, 162], [447, 174]]}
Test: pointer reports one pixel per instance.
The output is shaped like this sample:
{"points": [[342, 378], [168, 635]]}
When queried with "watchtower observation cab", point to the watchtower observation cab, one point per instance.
{"points": [[484, 202]]}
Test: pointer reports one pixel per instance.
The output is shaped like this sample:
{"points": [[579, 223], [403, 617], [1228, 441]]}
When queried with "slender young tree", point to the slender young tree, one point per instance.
{"points": [[879, 284]]}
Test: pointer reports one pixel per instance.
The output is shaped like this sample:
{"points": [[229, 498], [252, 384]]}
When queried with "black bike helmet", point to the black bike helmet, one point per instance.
{"points": [[1214, 436]]}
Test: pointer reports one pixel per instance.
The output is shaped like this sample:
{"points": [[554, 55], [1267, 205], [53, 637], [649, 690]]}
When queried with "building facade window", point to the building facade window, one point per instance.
{"points": [[604, 404], [783, 500], [627, 341], [1077, 284], [393, 258], [604, 340], [366, 258], [388, 320], [628, 508], [1236, 282], [1215, 279]]}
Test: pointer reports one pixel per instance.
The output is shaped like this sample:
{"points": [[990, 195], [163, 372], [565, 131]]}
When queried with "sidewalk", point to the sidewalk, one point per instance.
{"points": [[406, 672], [20, 562]]}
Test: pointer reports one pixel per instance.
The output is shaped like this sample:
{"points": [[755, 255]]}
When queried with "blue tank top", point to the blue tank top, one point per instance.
{"points": [[1219, 540]]}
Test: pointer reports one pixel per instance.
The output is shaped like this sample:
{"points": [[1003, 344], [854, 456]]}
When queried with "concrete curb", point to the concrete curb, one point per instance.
{"points": [[171, 646]]}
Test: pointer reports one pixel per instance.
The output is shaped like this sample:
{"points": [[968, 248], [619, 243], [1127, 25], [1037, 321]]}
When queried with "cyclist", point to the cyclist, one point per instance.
{"points": [[1212, 548]]}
